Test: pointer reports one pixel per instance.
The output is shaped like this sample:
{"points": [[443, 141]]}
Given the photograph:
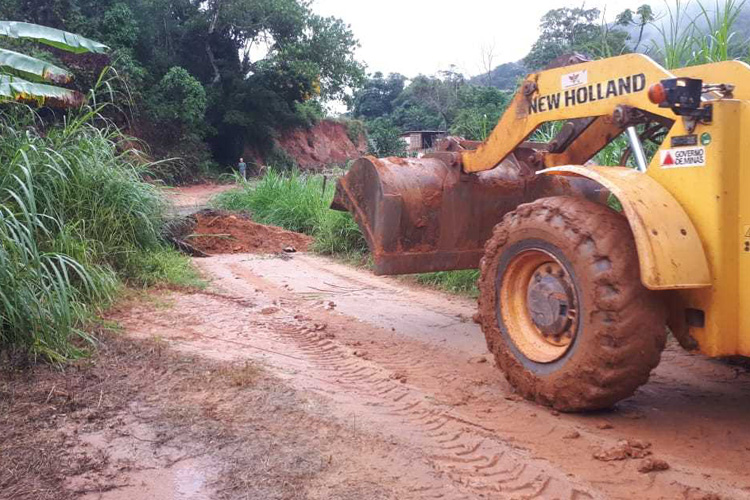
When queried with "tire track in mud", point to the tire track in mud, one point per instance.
{"points": [[359, 366], [467, 458], [469, 454], [466, 452]]}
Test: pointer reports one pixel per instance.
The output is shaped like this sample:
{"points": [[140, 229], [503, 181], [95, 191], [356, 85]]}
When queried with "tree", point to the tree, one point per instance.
{"points": [[376, 96], [120, 26], [429, 102], [177, 107], [567, 30], [488, 58], [307, 57], [413, 115], [645, 16], [179, 100], [479, 110], [329, 45], [504, 77], [259, 61], [22, 76], [445, 101]]}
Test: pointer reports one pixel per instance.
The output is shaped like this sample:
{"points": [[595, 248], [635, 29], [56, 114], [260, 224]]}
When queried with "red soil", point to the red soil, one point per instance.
{"points": [[217, 233], [324, 144]]}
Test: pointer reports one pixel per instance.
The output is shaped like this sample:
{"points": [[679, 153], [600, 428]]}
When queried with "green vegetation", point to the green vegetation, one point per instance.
{"points": [[161, 265], [24, 77], [446, 101], [460, 282], [684, 33], [393, 104], [77, 220], [504, 77], [384, 138], [241, 69], [197, 93], [710, 36], [566, 30]]}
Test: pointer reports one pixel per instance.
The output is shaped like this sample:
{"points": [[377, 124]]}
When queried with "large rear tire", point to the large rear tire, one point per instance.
{"points": [[562, 305]]}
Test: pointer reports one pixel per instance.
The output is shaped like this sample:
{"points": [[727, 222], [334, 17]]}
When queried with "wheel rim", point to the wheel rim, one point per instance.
{"points": [[538, 304]]}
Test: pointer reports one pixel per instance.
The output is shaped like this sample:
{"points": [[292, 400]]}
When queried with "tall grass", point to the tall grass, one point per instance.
{"points": [[717, 41], [75, 220], [674, 45], [709, 36]]}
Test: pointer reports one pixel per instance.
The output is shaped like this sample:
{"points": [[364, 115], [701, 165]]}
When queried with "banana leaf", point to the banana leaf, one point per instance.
{"points": [[51, 36], [17, 89], [32, 68]]}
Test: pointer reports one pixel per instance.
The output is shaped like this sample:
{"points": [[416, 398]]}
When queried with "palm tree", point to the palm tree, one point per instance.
{"points": [[23, 78]]}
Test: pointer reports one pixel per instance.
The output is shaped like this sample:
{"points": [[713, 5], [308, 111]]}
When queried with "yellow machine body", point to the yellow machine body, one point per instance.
{"points": [[692, 230], [553, 95], [688, 211], [691, 224]]}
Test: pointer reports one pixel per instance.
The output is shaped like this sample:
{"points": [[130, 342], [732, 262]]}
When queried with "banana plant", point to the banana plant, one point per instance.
{"points": [[26, 78]]}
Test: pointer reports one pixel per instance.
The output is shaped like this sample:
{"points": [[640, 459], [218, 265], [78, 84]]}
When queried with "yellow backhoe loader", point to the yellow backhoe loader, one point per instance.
{"points": [[584, 267]]}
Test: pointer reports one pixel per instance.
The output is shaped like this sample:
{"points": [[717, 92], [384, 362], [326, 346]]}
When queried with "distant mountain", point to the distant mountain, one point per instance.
{"points": [[504, 77]]}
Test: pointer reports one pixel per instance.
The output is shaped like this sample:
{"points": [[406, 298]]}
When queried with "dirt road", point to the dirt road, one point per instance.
{"points": [[189, 199], [293, 376], [409, 370]]}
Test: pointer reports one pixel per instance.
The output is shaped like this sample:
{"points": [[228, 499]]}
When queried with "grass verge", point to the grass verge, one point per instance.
{"points": [[458, 282]]}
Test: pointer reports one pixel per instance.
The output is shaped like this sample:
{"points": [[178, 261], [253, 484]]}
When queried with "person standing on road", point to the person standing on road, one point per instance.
{"points": [[243, 168]]}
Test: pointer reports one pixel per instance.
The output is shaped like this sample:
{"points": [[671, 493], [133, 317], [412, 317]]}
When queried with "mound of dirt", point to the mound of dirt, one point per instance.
{"points": [[220, 232]]}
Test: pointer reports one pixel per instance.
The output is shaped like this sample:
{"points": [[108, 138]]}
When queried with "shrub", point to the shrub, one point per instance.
{"points": [[309, 112], [179, 100], [385, 138], [280, 159], [355, 129], [177, 109]]}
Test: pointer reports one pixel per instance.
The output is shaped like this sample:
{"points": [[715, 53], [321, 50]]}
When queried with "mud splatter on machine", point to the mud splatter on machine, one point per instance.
{"points": [[584, 266]]}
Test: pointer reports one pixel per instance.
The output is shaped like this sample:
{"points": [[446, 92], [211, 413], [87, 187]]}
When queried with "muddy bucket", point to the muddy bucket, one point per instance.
{"points": [[422, 215]]}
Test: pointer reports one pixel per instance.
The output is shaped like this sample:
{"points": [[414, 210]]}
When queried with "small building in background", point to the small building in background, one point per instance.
{"points": [[419, 141]]}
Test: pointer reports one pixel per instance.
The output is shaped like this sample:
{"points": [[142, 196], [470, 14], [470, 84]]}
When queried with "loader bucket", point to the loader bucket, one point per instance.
{"points": [[423, 215]]}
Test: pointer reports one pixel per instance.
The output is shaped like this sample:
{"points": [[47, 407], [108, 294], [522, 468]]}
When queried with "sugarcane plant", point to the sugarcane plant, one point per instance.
{"points": [[26, 78]]}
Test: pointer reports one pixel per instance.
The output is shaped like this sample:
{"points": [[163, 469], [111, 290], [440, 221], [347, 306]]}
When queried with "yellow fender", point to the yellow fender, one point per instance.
{"points": [[669, 248]]}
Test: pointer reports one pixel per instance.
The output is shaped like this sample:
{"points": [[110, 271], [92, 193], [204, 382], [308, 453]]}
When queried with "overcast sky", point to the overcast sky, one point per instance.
{"points": [[424, 36]]}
